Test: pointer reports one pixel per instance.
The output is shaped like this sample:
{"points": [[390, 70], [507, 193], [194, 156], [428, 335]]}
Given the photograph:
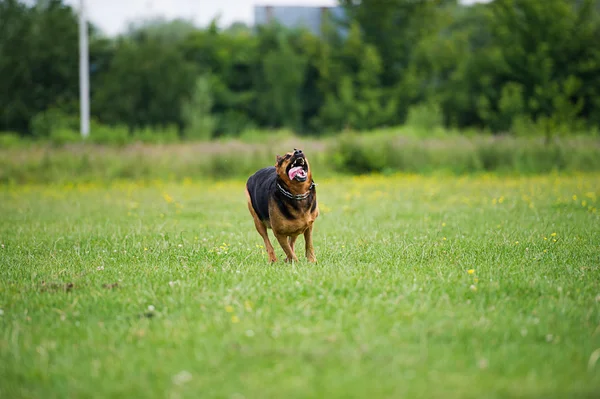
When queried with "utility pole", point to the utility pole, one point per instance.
{"points": [[84, 72]]}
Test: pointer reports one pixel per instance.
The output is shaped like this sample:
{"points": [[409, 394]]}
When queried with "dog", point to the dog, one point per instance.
{"points": [[284, 198]]}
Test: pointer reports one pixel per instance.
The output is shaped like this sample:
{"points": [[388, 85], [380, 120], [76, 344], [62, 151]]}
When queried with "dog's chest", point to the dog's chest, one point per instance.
{"points": [[292, 220]]}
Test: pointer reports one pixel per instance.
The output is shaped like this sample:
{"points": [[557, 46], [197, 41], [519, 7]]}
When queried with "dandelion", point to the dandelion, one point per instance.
{"points": [[444, 238], [553, 234], [168, 198], [229, 309], [443, 224], [471, 271], [235, 319], [516, 242], [145, 249]]}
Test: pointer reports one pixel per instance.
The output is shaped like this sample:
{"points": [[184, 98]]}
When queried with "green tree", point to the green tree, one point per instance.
{"points": [[170, 31], [197, 111], [38, 61], [230, 59], [144, 85], [354, 97], [393, 27], [551, 49], [279, 79]]}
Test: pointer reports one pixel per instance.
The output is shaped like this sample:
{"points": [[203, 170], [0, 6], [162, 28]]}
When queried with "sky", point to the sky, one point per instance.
{"points": [[113, 16]]}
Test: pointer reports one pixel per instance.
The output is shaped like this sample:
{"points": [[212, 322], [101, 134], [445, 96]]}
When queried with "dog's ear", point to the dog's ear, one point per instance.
{"points": [[279, 159]]}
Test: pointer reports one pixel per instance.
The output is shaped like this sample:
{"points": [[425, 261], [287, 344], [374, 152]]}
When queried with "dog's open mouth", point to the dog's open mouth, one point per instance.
{"points": [[298, 169]]}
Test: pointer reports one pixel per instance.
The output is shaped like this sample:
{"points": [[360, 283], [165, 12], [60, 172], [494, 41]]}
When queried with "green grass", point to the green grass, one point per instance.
{"points": [[461, 287]]}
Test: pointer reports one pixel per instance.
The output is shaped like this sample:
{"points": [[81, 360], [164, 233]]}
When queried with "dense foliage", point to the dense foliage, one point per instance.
{"points": [[520, 66]]}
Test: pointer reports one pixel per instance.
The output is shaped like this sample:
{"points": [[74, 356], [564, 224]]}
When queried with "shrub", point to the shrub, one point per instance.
{"points": [[262, 136], [355, 154], [108, 135], [44, 123], [11, 140], [149, 135], [62, 135], [425, 117]]}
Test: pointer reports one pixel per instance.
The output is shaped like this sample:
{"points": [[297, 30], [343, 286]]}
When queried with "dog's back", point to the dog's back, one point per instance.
{"points": [[261, 187]]}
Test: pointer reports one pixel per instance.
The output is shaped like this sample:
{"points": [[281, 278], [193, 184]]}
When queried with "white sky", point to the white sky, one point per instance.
{"points": [[112, 16]]}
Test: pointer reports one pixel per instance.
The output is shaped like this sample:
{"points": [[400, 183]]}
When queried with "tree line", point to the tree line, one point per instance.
{"points": [[519, 66]]}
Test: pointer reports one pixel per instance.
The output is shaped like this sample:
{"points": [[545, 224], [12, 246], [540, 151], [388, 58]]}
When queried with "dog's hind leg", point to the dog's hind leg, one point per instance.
{"points": [[262, 230]]}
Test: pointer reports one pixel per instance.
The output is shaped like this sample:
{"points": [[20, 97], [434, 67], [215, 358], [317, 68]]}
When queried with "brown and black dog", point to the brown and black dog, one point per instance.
{"points": [[283, 198]]}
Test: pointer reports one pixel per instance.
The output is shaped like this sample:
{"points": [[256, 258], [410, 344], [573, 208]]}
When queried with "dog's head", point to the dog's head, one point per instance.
{"points": [[293, 167]]}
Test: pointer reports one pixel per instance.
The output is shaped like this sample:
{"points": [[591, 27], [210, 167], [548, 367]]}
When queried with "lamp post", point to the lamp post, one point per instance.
{"points": [[84, 72]]}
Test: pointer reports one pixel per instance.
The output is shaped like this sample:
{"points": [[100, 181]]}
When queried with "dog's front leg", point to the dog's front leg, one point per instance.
{"points": [[310, 251], [285, 245], [292, 241]]}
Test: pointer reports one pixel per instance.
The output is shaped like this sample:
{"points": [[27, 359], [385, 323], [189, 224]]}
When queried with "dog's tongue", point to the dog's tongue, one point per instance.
{"points": [[296, 171]]}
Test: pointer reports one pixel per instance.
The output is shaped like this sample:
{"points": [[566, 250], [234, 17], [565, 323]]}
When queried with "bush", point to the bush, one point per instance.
{"points": [[346, 154], [44, 123], [262, 136], [426, 117], [62, 135], [149, 135], [11, 140], [356, 154], [233, 123], [108, 135]]}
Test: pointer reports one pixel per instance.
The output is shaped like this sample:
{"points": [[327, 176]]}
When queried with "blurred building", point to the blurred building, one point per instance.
{"points": [[296, 16]]}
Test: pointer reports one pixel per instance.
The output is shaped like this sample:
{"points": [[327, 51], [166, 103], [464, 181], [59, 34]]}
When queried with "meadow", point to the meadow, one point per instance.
{"points": [[397, 149], [425, 286]]}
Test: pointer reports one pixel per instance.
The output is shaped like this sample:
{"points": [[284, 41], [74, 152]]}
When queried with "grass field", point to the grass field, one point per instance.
{"points": [[429, 287]]}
